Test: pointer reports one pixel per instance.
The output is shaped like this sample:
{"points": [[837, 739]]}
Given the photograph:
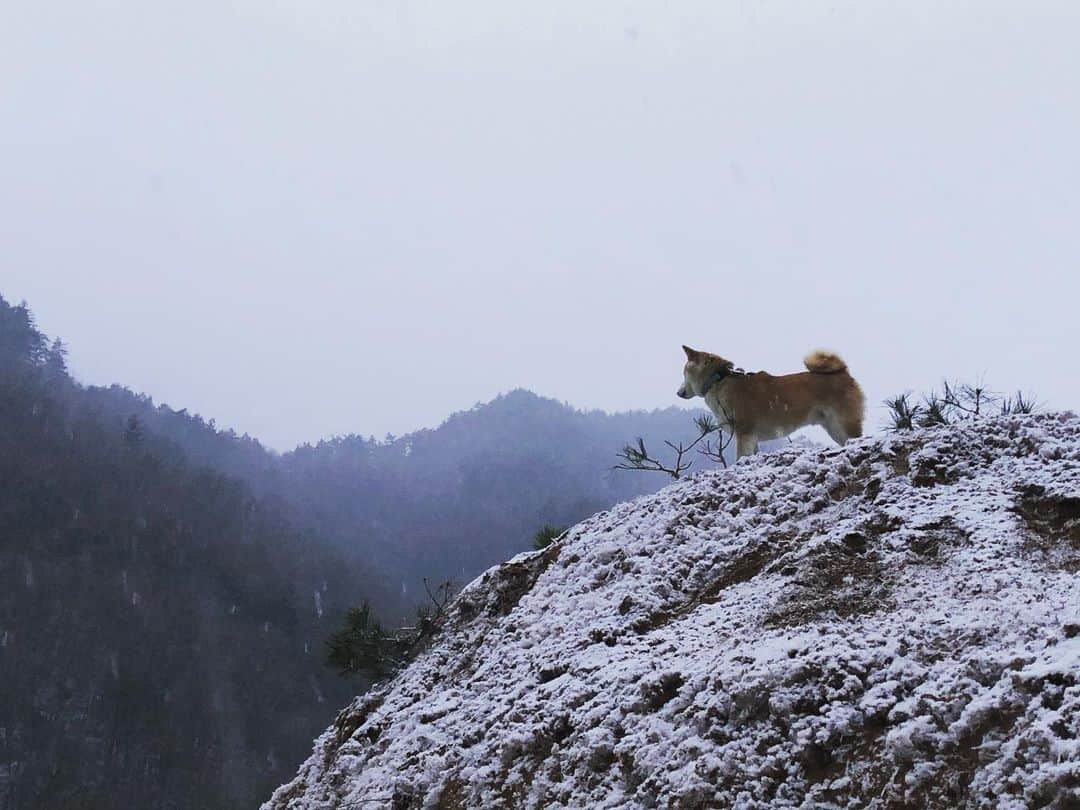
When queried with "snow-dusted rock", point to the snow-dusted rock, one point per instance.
{"points": [[891, 624]]}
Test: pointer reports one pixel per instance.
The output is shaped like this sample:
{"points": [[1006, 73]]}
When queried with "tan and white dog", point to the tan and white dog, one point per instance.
{"points": [[757, 405]]}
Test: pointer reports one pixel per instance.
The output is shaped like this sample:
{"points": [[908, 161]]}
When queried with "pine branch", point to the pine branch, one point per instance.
{"points": [[637, 457]]}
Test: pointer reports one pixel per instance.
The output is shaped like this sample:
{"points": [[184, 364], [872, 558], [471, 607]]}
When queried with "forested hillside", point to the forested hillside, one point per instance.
{"points": [[160, 627]]}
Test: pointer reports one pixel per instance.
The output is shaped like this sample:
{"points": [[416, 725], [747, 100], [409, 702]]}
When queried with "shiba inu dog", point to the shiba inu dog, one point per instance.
{"points": [[757, 405]]}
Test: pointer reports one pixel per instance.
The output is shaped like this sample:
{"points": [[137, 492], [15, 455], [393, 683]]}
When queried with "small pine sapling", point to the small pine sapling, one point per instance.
{"points": [[955, 402], [363, 647], [547, 535], [902, 413]]}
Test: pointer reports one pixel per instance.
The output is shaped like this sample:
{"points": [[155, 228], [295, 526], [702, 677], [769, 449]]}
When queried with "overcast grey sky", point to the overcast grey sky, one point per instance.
{"points": [[315, 217]]}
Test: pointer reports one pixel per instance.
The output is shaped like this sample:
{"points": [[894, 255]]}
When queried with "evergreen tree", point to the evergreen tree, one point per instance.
{"points": [[133, 434], [360, 646], [546, 535]]}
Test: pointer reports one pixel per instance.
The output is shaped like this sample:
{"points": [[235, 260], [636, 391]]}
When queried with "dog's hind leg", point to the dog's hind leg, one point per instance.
{"points": [[839, 431], [745, 445], [853, 427]]}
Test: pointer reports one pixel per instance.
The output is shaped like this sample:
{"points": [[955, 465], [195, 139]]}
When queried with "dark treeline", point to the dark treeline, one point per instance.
{"points": [[160, 628], [167, 588]]}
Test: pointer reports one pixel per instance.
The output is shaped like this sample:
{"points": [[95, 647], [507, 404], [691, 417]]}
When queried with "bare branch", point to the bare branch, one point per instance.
{"points": [[638, 458], [714, 451]]}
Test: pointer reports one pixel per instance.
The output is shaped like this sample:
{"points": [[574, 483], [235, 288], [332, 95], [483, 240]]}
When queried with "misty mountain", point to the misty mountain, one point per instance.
{"points": [[455, 500], [441, 503]]}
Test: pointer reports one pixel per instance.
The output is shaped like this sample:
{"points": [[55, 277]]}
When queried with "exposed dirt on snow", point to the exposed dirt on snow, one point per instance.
{"points": [[893, 624]]}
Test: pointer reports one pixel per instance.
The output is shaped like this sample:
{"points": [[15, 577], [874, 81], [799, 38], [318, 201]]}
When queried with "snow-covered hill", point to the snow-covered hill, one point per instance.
{"points": [[891, 624]]}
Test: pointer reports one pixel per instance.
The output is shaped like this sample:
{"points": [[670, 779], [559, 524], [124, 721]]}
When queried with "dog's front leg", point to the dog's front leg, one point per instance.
{"points": [[745, 445]]}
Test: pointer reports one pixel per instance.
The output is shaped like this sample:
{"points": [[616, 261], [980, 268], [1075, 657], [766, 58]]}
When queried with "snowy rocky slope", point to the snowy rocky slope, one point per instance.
{"points": [[891, 624]]}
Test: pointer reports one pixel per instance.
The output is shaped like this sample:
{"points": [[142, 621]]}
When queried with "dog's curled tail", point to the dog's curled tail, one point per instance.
{"points": [[823, 362]]}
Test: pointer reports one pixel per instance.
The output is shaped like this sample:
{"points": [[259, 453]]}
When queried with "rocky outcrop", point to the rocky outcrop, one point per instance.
{"points": [[891, 624]]}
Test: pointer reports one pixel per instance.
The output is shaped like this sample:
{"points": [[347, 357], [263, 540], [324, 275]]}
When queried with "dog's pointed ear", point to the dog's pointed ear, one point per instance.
{"points": [[691, 354]]}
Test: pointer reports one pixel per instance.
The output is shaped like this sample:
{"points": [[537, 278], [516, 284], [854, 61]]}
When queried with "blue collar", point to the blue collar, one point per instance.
{"points": [[719, 376], [715, 379]]}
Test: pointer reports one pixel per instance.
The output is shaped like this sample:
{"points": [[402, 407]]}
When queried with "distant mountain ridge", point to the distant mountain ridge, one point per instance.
{"points": [[439, 503], [453, 500], [442, 502]]}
